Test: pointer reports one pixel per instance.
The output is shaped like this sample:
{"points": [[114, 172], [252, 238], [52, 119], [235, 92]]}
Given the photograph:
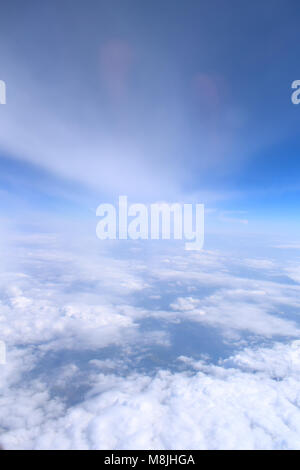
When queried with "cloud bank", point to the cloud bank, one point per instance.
{"points": [[93, 361]]}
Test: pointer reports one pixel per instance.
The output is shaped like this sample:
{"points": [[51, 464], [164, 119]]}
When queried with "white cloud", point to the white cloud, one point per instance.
{"points": [[248, 405], [294, 272], [60, 310]]}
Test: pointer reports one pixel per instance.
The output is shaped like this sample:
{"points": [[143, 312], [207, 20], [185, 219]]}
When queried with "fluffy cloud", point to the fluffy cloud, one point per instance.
{"points": [[86, 336], [242, 404]]}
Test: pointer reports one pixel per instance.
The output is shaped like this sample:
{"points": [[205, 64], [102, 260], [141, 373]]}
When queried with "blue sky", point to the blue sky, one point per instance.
{"points": [[154, 101], [141, 344]]}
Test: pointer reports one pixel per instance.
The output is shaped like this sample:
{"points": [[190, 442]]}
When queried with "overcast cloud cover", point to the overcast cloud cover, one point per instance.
{"points": [[123, 344]]}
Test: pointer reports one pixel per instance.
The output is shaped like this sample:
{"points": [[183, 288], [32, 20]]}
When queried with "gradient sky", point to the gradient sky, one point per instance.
{"points": [[142, 344], [186, 101]]}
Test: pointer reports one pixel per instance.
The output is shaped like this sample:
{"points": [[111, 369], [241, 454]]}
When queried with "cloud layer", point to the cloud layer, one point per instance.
{"points": [[96, 356], [249, 402]]}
